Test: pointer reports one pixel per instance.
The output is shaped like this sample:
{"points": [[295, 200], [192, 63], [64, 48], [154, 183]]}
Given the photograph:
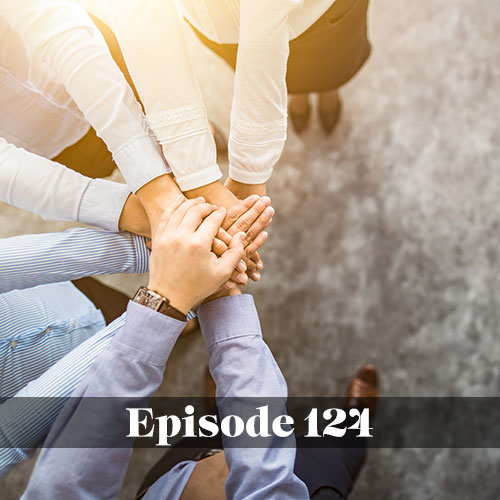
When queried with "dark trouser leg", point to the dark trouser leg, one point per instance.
{"points": [[111, 302], [328, 473]]}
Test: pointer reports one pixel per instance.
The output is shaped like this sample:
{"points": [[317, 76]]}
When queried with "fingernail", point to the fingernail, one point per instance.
{"points": [[255, 276], [242, 267], [230, 285], [200, 198], [265, 200], [242, 278], [269, 212], [254, 198], [180, 197], [260, 266]]}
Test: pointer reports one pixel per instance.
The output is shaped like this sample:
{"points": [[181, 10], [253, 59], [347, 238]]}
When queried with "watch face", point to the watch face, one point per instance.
{"points": [[149, 299]]}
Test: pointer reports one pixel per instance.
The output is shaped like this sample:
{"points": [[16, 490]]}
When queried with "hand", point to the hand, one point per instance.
{"points": [[223, 293], [156, 195], [242, 191], [134, 218], [217, 194], [183, 268], [252, 216], [214, 193]]}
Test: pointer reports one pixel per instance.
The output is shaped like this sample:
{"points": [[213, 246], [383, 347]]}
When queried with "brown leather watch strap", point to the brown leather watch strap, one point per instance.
{"points": [[156, 302], [171, 311]]}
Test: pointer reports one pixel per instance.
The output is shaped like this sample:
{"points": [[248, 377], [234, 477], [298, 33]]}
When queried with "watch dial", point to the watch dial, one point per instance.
{"points": [[153, 302]]}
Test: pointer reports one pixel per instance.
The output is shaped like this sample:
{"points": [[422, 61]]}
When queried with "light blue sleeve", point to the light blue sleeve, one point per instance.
{"points": [[37, 259], [131, 366], [243, 367]]}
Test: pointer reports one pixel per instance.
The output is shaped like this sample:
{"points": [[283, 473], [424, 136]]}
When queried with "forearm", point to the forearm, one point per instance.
{"points": [[26, 419], [243, 367], [31, 260], [258, 116], [132, 366], [61, 36], [152, 41]]}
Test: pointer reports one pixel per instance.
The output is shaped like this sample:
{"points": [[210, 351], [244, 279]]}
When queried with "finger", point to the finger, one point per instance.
{"points": [[244, 222], [236, 251], [195, 215], [218, 247], [263, 221], [224, 236], [179, 214], [167, 214], [239, 209], [255, 245], [240, 278], [251, 266], [229, 285], [210, 226], [255, 258], [255, 276]]}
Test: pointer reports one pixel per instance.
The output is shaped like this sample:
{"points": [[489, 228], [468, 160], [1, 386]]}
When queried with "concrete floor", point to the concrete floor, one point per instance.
{"points": [[385, 243]]}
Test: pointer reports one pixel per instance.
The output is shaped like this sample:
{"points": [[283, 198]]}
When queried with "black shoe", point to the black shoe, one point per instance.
{"points": [[300, 119], [329, 111]]}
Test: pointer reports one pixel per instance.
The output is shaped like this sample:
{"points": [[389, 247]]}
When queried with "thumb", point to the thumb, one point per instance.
{"points": [[231, 257]]}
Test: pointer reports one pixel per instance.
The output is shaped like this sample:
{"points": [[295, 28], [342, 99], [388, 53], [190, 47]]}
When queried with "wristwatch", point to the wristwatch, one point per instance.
{"points": [[158, 303]]}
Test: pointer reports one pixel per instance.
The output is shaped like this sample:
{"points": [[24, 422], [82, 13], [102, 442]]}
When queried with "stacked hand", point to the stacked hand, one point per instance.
{"points": [[183, 266], [252, 216]]}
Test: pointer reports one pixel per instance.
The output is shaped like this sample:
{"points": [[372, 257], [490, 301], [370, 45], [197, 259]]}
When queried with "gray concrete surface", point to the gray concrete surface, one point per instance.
{"points": [[385, 243]]}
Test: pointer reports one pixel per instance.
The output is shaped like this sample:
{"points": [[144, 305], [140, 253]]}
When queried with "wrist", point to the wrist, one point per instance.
{"points": [[242, 190], [158, 193], [133, 218], [223, 293], [207, 191], [179, 301]]}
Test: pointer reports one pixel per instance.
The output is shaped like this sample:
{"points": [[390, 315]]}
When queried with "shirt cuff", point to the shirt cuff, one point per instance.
{"points": [[228, 318], [142, 254], [140, 161], [199, 179], [148, 335], [102, 204], [248, 177]]}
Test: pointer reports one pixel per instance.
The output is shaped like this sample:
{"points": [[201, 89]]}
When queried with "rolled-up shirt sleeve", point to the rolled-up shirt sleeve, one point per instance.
{"points": [[259, 110], [60, 36], [151, 37]]}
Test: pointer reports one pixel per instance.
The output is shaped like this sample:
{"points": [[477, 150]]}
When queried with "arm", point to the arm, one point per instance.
{"points": [[151, 37], [131, 366], [232, 334], [183, 269], [258, 116], [53, 191], [36, 259], [61, 37]]}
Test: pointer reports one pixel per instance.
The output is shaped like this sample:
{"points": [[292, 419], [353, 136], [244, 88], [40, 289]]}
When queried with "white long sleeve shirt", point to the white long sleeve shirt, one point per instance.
{"points": [[49, 189], [150, 35], [57, 77]]}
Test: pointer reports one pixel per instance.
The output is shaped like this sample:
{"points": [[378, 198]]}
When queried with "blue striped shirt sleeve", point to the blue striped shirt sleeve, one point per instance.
{"points": [[37, 259]]}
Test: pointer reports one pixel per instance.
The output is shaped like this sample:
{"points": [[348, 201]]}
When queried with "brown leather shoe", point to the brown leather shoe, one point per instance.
{"points": [[363, 389]]}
